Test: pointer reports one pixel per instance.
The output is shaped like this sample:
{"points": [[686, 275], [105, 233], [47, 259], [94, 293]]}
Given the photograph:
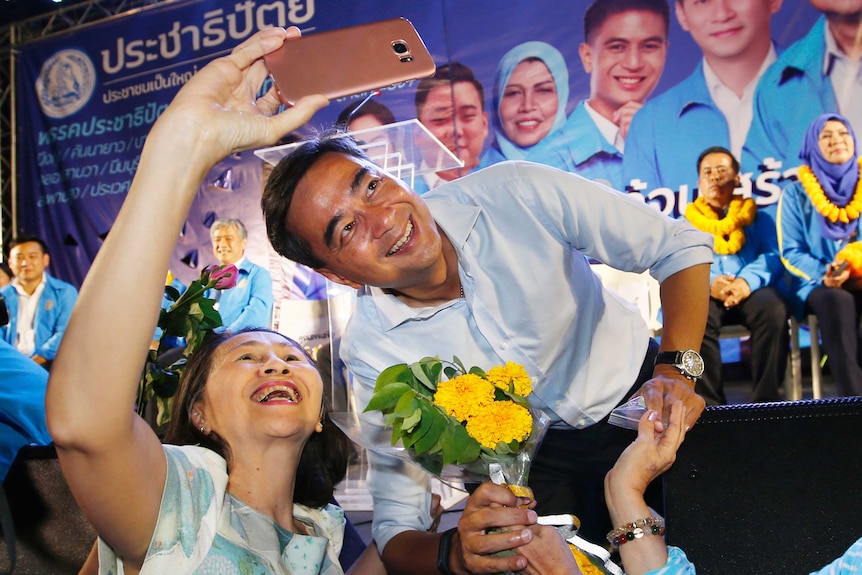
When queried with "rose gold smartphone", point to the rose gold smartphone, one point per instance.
{"points": [[348, 61]]}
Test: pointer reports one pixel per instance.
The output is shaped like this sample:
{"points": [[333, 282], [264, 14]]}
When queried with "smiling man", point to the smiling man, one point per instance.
{"points": [[451, 104], [249, 302], [39, 305], [494, 267], [624, 51], [744, 276], [713, 106]]}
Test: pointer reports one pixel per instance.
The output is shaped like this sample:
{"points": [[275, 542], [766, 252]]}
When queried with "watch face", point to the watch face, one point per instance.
{"points": [[692, 363]]}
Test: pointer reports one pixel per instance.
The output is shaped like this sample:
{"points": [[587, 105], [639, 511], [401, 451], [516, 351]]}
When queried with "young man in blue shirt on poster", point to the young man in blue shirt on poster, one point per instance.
{"points": [[817, 74], [713, 106], [624, 51]]}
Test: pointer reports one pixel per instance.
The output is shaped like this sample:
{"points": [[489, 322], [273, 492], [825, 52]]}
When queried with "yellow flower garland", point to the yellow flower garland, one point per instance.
{"points": [[729, 236], [822, 204]]}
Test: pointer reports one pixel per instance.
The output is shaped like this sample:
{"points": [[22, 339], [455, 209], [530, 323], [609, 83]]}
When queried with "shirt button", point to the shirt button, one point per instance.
{"points": [[504, 345]]}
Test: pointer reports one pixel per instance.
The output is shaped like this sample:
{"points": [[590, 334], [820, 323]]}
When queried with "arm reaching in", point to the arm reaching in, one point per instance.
{"points": [[685, 302], [112, 460], [650, 455]]}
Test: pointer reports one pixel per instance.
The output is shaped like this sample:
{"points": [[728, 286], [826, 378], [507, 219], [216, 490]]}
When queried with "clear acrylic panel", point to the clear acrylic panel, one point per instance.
{"points": [[404, 149]]}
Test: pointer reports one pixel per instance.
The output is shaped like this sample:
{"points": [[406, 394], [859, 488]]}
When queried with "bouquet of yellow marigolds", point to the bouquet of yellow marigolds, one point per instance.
{"points": [[479, 421]]}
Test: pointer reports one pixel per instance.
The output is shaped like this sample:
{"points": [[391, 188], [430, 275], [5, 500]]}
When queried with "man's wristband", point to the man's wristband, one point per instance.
{"points": [[443, 552]]}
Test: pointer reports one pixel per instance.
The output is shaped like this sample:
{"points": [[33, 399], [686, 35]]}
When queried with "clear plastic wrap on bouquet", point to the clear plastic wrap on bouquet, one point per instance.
{"points": [[504, 470]]}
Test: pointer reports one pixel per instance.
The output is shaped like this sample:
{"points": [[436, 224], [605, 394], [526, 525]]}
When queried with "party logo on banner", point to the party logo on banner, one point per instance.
{"points": [[66, 83]]}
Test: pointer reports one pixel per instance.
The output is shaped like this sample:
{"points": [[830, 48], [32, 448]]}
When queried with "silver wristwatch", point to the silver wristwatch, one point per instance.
{"points": [[688, 362]]}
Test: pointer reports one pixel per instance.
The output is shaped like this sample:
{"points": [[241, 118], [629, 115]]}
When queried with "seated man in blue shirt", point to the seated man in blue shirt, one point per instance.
{"points": [[39, 305], [494, 267], [745, 272], [249, 303]]}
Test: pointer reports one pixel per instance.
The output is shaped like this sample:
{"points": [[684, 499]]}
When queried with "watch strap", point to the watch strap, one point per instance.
{"points": [[443, 552]]}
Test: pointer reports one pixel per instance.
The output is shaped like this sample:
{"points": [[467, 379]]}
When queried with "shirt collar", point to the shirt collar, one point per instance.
{"points": [[832, 51], [20, 289], [608, 129]]}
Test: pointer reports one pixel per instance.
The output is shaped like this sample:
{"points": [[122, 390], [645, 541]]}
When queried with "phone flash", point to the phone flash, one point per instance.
{"points": [[406, 58]]}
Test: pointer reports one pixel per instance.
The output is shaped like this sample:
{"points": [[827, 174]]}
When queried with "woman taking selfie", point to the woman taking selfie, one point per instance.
{"points": [[246, 486]]}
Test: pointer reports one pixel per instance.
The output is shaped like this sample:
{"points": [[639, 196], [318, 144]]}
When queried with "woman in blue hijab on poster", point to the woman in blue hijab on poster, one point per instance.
{"points": [[530, 95]]}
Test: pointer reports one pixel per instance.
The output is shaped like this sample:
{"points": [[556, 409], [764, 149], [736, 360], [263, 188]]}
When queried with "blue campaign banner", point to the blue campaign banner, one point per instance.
{"points": [[86, 100]]}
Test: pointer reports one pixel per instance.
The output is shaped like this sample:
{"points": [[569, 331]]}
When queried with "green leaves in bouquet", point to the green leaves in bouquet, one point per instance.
{"points": [[404, 394]]}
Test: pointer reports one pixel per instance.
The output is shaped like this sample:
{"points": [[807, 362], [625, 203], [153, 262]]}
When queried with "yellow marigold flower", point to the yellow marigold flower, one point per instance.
{"points": [[852, 254], [464, 396], [512, 372], [501, 421]]}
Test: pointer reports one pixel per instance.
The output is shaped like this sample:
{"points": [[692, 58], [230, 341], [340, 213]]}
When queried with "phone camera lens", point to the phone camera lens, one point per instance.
{"points": [[400, 47]]}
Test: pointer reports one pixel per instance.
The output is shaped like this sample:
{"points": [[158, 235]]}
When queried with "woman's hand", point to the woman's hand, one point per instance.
{"points": [[218, 107], [650, 455], [835, 278]]}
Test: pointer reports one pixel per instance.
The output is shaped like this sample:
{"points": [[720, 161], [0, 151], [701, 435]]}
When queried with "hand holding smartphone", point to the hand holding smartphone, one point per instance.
{"points": [[837, 268], [348, 61]]}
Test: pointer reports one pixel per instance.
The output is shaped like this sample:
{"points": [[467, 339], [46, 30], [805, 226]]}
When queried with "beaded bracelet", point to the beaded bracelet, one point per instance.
{"points": [[636, 530]]}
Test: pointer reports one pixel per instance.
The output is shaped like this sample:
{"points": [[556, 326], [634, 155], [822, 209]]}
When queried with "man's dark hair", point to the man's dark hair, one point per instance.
{"points": [[26, 238], [446, 75], [282, 184], [718, 150], [601, 10]]}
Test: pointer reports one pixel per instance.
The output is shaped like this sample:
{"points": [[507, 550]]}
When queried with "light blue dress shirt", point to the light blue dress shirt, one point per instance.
{"points": [[52, 315], [524, 234]]}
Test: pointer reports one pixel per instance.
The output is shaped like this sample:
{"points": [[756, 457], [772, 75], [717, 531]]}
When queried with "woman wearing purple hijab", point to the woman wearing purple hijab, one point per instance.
{"points": [[818, 216]]}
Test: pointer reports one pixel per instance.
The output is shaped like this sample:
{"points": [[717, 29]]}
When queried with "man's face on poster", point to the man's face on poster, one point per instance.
{"points": [[626, 57], [726, 28], [456, 116]]}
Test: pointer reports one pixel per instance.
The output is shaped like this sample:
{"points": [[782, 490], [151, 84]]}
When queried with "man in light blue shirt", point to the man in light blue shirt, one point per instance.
{"points": [[713, 106], [249, 302], [39, 305], [494, 267], [624, 51], [819, 73]]}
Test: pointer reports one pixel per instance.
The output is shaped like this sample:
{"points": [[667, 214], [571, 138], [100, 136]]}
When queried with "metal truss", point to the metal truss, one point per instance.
{"points": [[62, 20]]}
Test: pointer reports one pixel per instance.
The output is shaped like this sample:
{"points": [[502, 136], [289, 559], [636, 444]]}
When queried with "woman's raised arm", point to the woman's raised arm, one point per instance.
{"points": [[111, 458]]}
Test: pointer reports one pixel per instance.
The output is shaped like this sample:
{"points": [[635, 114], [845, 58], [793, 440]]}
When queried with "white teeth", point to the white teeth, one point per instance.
{"points": [[629, 80], [404, 239]]}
